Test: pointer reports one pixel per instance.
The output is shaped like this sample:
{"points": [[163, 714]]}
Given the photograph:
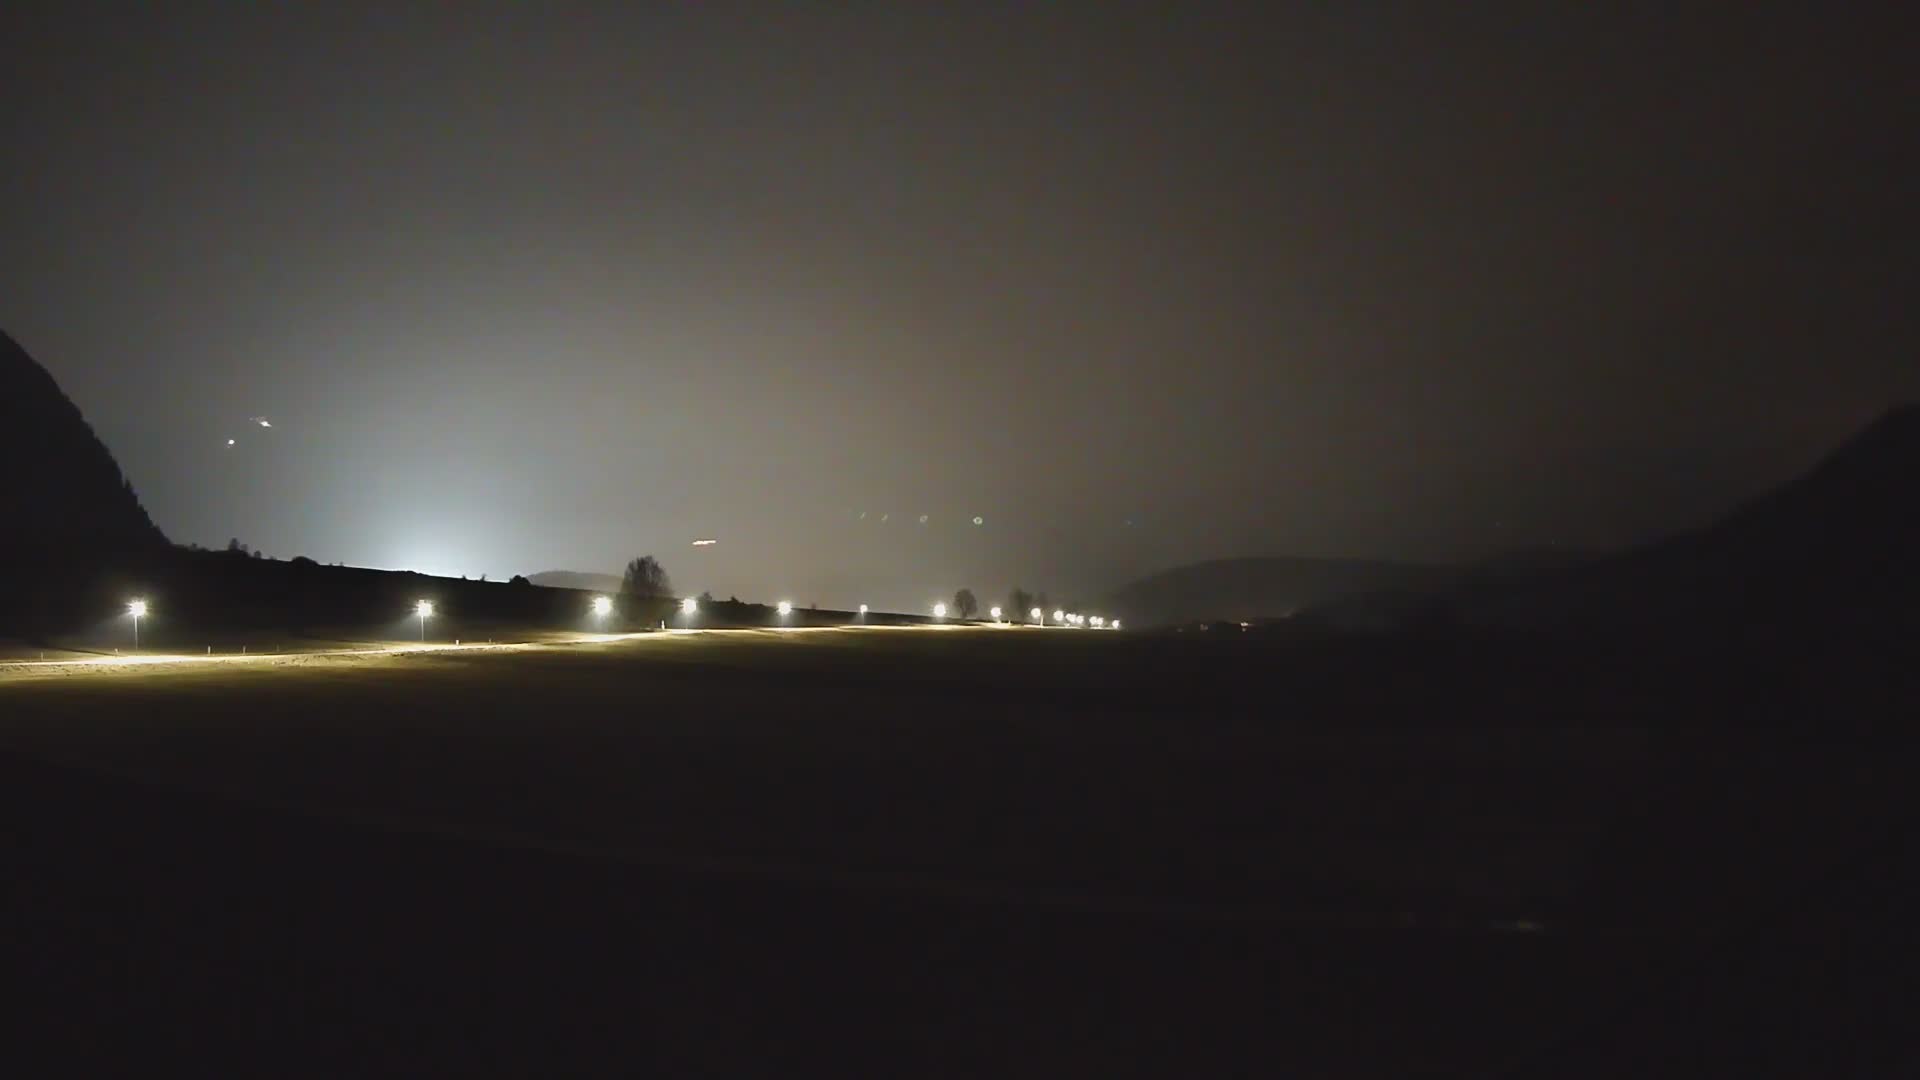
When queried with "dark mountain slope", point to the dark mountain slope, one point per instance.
{"points": [[63, 493], [1258, 588], [1836, 549]]}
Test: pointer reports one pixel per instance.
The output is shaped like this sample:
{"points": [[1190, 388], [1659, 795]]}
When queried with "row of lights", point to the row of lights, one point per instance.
{"points": [[689, 606], [603, 606]]}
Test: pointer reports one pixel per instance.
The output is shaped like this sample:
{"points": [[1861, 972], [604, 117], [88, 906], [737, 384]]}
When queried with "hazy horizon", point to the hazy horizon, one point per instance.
{"points": [[524, 290]]}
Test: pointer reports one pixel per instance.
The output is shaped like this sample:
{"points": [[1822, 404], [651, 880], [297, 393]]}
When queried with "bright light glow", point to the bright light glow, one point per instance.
{"points": [[863, 609], [939, 611], [1058, 616], [704, 542], [1098, 621], [689, 606], [602, 605], [995, 612], [137, 609], [423, 609], [1116, 624], [229, 442], [785, 608], [1034, 614]]}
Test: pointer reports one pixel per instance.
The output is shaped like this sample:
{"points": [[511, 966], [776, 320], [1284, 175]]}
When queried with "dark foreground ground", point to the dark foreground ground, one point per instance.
{"points": [[962, 853]]}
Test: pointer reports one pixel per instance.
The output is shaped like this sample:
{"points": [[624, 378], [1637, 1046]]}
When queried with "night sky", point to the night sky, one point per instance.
{"points": [[547, 286]]}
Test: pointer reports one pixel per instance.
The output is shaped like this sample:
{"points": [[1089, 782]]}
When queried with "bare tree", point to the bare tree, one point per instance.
{"points": [[964, 604], [646, 578]]}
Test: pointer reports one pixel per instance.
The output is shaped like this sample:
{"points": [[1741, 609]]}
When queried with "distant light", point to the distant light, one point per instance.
{"points": [[939, 611], [978, 520], [689, 606], [785, 608], [423, 609], [229, 442], [863, 609], [137, 609], [1058, 617], [1034, 614], [704, 541], [1098, 621], [602, 605], [995, 612], [1116, 624], [262, 421]]}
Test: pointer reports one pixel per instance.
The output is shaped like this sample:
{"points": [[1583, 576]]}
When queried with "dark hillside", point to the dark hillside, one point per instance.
{"points": [[61, 488], [1263, 588], [1829, 553], [70, 512]]}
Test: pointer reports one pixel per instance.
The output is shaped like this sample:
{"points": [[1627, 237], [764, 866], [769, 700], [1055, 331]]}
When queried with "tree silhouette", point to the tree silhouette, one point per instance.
{"points": [[964, 604], [1019, 602], [646, 578]]}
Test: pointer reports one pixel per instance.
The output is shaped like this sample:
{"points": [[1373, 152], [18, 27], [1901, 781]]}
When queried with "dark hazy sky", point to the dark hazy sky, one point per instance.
{"points": [[543, 285]]}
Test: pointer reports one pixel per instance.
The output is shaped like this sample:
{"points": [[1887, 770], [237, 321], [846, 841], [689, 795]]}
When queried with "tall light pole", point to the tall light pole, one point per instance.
{"points": [[423, 609], [136, 609]]}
